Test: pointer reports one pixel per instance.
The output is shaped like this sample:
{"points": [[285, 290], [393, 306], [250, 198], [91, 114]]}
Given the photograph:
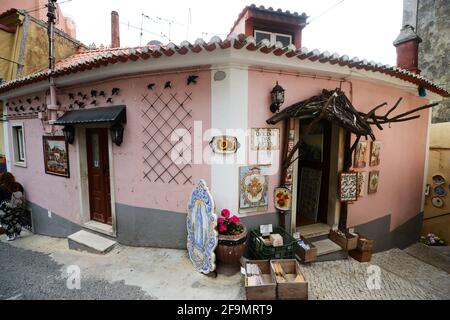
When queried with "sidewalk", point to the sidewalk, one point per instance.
{"points": [[35, 267]]}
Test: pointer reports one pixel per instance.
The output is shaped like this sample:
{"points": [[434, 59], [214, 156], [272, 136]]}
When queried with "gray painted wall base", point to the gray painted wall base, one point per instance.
{"points": [[384, 239], [165, 229], [54, 226]]}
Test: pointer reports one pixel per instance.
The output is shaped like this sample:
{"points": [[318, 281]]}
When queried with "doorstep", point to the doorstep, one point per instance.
{"points": [[327, 250], [314, 230], [100, 228], [90, 242]]}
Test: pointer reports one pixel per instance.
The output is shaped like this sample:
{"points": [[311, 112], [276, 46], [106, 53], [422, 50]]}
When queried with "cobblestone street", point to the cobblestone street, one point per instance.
{"points": [[35, 267]]}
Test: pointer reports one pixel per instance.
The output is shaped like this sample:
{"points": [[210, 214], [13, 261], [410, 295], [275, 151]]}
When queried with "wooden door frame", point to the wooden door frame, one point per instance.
{"points": [[83, 180], [337, 154]]}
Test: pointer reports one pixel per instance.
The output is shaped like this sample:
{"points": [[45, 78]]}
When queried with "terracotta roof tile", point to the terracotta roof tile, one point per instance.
{"points": [[102, 57]]}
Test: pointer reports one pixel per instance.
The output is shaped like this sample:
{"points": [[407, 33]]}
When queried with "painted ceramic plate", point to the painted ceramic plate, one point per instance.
{"points": [[440, 191], [438, 179], [437, 202], [224, 144], [282, 199]]}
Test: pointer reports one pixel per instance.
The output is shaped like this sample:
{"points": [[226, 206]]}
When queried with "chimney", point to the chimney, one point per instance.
{"points": [[115, 32], [407, 42]]}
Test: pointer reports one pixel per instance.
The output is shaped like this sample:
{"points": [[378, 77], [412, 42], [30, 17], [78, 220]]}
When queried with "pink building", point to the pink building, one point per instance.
{"points": [[133, 189]]}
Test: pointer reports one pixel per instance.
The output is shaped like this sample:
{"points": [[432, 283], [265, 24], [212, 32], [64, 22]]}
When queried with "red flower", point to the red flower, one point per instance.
{"points": [[222, 228], [220, 220], [279, 195], [225, 213], [286, 196], [280, 202], [235, 219]]}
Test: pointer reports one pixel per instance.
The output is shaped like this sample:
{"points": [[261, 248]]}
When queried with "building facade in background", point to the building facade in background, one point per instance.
{"points": [[24, 45]]}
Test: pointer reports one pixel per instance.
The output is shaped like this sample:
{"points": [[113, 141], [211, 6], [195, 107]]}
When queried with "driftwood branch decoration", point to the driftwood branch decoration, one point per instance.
{"points": [[334, 106]]}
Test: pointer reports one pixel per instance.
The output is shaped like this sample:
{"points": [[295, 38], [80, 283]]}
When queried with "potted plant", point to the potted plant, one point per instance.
{"points": [[232, 240]]}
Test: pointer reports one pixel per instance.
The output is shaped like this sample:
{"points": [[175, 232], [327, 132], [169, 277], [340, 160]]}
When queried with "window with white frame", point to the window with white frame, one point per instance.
{"points": [[273, 37], [18, 139]]}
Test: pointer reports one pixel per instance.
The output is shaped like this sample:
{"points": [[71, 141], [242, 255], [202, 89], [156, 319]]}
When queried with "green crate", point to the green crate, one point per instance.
{"points": [[263, 252]]}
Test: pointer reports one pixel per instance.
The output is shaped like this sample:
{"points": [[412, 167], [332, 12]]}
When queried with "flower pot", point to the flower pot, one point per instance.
{"points": [[229, 251]]}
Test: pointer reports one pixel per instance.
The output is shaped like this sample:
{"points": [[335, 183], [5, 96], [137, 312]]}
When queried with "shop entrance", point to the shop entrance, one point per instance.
{"points": [[314, 174]]}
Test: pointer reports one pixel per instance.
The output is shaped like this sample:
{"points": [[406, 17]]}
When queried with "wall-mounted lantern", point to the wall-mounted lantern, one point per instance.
{"points": [[277, 95], [69, 133], [117, 133]]}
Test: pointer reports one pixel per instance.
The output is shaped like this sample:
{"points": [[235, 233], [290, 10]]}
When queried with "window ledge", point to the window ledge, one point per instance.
{"points": [[20, 164]]}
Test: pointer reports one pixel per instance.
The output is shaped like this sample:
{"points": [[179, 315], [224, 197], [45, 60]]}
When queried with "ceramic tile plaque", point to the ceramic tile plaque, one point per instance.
{"points": [[362, 178], [374, 176], [375, 149], [224, 144], [253, 184], [360, 154], [263, 142], [201, 228], [348, 185], [265, 139]]}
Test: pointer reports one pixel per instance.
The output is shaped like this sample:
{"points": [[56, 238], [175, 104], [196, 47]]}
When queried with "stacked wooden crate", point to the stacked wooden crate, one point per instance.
{"points": [[363, 251], [275, 279]]}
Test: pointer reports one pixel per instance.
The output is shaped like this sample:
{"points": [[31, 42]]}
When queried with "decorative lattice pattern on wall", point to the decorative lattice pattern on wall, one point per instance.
{"points": [[162, 113]]}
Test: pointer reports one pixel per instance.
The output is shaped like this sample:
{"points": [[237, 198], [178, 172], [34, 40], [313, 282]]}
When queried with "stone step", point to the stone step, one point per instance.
{"points": [[90, 242], [312, 231], [328, 250]]}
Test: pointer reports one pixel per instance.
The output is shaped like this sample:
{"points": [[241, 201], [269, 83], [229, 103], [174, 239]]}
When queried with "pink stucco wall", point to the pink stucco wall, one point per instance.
{"points": [[61, 195], [403, 150], [57, 194], [402, 158]]}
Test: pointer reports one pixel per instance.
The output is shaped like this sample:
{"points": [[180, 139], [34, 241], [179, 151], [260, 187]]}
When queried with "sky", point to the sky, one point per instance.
{"points": [[361, 28]]}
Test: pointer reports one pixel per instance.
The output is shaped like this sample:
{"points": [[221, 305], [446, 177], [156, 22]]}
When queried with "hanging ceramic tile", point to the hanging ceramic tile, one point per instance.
{"points": [[263, 142], [360, 155], [224, 144], [201, 227], [362, 178], [253, 186], [374, 176], [348, 183], [375, 149]]}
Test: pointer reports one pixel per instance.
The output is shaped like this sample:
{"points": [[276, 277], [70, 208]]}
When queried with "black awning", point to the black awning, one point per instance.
{"points": [[94, 115]]}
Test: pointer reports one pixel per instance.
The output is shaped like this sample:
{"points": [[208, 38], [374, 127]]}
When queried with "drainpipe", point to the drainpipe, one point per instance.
{"points": [[52, 107]]}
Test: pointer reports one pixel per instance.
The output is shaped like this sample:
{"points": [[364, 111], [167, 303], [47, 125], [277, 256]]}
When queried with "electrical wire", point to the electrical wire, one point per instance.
{"points": [[324, 12]]}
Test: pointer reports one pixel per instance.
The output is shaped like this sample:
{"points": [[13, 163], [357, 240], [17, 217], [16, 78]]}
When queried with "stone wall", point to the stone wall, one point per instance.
{"points": [[433, 26]]}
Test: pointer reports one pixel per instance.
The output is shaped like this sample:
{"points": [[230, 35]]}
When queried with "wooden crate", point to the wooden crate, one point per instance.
{"points": [[361, 256], [349, 242], [364, 244], [262, 292], [290, 290], [306, 256]]}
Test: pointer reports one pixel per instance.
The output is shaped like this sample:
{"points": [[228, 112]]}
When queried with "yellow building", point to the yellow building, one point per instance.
{"points": [[437, 204], [24, 48]]}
